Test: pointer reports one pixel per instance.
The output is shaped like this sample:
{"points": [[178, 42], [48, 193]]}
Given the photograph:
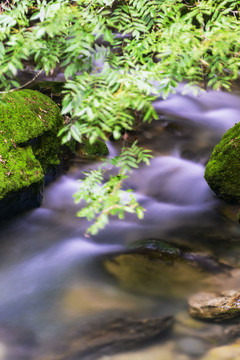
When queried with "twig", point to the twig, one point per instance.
{"points": [[22, 86], [105, 6]]}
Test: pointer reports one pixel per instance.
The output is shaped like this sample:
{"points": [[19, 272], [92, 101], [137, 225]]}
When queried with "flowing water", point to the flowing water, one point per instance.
{"points": [[53, 277]]}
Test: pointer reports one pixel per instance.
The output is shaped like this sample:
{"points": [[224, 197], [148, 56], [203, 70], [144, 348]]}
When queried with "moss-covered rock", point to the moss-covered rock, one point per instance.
{"points": [[28, 114], [93, 151], [18, 169], [29, 146], [223, 169]]}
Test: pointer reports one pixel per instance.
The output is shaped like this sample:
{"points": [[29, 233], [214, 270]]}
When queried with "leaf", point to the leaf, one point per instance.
{"points": [[67, 108], [42, 14], [75, 133]]}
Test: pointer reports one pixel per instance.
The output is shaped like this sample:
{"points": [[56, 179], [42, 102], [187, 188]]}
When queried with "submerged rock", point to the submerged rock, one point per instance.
{"points": [[218, 333], [222, 170], [154, 275], [162, 351], [210, 306], [192, 346], [155, 268], [228, 352], [206, 333], [29, 148], [105, 337]]}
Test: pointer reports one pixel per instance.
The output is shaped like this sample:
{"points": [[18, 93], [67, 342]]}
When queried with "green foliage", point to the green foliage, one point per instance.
{"points": [[104, 198], [146, 48]]}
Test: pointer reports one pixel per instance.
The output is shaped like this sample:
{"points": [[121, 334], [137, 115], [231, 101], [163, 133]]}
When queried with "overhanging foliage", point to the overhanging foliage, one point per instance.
{"points": [[146, 48]]}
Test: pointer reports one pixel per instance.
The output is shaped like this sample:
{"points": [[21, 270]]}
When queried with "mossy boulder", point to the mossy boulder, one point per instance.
{"points": [[28, 114], [93, 151], [29, 146], [223, 169]]}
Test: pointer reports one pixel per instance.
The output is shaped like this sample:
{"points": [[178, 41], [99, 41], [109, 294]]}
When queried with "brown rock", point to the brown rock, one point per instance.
{"points": [[106, 337], [210, 306]]}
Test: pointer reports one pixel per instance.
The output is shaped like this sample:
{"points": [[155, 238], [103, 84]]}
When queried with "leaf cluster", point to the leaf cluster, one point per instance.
{"points": [[117, 57], [106, 197]]}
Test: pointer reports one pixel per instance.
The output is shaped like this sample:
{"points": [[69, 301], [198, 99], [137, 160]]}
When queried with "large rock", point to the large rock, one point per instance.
{"points": [[223, 169], [29, 148], [157, 269], [106, 336]]}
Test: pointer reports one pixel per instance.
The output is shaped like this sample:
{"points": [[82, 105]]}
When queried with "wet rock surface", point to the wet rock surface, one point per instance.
{"points": [[217, 307], [141, 269], [106, 337]]}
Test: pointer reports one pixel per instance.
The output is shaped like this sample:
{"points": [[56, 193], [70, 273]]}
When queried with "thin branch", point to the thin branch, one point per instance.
{"points": [[22, 86], [105, 6]]}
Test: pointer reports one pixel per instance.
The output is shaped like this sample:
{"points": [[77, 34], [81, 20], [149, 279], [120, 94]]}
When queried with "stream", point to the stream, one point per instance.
{"points": [[53, 278]]}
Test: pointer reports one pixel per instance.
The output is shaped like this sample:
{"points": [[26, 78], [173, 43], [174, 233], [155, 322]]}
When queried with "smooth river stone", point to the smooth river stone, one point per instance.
{"points": [[228, 352], [106, 337], [217, 307]]}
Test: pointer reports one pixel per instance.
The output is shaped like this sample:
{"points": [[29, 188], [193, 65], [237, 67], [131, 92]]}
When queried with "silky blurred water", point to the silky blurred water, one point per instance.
{"points": [[50, 272]]}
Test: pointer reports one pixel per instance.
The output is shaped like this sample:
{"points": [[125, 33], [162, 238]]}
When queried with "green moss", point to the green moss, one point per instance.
{"points": [[46, 151], [27, 114], [27, 118], [92, 151], [223, 169], [18, 169], [156, 245]]}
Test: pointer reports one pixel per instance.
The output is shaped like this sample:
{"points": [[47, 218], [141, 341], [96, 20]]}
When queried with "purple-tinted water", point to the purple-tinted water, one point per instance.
{"points": [[49, 271]]}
